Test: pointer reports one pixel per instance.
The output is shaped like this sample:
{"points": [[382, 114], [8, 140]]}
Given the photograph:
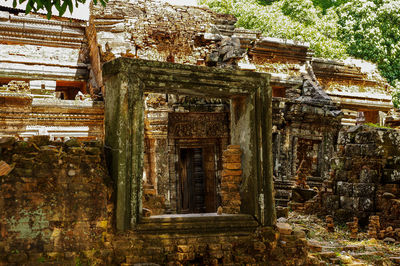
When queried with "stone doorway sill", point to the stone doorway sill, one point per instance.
{"points": [[198, 223]]}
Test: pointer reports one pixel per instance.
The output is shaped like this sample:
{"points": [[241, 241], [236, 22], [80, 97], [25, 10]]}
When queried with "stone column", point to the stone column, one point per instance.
{"points": [[124, 129], [251, 128]]}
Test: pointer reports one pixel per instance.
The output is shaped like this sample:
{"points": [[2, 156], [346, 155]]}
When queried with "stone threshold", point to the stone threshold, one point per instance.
{"points": [[197, 223]]}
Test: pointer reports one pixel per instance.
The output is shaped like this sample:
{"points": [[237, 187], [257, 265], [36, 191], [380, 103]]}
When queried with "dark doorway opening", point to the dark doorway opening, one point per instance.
{"points": [[192, 181], [196, 184]]}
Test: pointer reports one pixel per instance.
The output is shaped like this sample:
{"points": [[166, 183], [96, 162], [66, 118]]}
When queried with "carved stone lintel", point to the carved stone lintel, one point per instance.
{"points": [[198, 125]]}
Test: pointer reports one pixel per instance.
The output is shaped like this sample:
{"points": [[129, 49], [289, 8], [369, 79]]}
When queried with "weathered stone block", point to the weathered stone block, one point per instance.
{"points": [[363, 190], [92, 150], [232, 151], [344, 188], [73, 142], [367, 137], [369, 176], [227, 172], [17, 257], [342, 175], [232, 166], [231, 158], [353, 150], [370, 150], [41, 140], [284, 228], [7, 142], [185, 248], [349, 203], [391, 176], [366, 204]]}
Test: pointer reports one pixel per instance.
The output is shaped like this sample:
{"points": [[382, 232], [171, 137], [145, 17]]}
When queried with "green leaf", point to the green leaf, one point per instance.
{"points": [[39, 4], [63, 8], [56, 3], [14, 3], [70, 5], [29, 6]]}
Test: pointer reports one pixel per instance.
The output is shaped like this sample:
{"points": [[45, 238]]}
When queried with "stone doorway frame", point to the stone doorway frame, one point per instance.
{"points": [[126, 79]]}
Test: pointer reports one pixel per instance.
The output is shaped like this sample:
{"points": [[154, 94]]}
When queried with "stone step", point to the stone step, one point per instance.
{"points": [[199, 223], [365, 255], [315, 246], [312, 184], [281, 202], [327, 254], [283, 194]]}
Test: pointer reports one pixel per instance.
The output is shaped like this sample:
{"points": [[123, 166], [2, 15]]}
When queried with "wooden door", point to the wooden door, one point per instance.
{"points": [[192, 181]]}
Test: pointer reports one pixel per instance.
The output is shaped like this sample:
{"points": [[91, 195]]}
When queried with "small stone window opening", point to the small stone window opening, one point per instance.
{"points": [[68, 90], [308, 161], [371, 116], [279, 92]]}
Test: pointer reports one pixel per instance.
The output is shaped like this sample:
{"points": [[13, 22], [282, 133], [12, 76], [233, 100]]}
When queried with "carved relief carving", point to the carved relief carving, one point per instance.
{"points": [[198, 125]]}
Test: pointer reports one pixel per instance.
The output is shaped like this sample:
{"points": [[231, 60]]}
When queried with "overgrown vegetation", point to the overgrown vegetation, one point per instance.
{"points": [[47, 5], [336, 29]]}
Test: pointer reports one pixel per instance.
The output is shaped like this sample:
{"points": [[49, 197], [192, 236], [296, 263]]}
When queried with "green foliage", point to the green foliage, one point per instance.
{"points": [[365, 29], [302, 11], [47, 5], [326, 4], [377, 125], [297, 20], [396, 94], [371, 30]]}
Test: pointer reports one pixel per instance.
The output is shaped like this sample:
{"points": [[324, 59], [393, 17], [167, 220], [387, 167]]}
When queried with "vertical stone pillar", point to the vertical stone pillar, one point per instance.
{"points": [[124, 130], [251, 128]]}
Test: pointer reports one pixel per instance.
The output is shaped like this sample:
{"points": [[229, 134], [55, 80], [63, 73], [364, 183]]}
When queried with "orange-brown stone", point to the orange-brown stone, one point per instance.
{"points": [[232, 166], [231, 158], [231, 152], [227, 172]]}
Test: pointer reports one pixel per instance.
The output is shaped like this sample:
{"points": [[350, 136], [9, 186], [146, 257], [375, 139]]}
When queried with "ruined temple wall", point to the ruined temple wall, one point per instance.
{"points": [[302, 131], [153, 30], [24, 117], [158, 31], [54, 197], [358, 87], [54, 49], [56, 208], [365, 180]]}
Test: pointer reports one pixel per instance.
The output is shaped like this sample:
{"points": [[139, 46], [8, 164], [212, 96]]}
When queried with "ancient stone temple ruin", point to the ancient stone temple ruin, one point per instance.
{"points": [[153, 133]]}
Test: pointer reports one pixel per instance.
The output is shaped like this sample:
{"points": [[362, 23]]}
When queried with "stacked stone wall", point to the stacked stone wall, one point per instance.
{"points": [[55, 203], [231, 179], [265, 246], [56, 208], [365, 179], [157, 31]]}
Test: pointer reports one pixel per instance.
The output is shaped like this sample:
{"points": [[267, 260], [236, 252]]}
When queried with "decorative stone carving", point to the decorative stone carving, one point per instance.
{"points": [[198, 125]]}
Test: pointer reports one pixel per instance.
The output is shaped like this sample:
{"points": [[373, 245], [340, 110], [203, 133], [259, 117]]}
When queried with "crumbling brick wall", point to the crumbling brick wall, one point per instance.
{"points": [[157, 31], [365, 179], [56, 208], [56, 199]]}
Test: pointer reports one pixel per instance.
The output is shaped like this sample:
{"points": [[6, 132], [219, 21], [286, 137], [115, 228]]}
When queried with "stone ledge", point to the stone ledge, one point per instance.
{"points": [[197, 223]]}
